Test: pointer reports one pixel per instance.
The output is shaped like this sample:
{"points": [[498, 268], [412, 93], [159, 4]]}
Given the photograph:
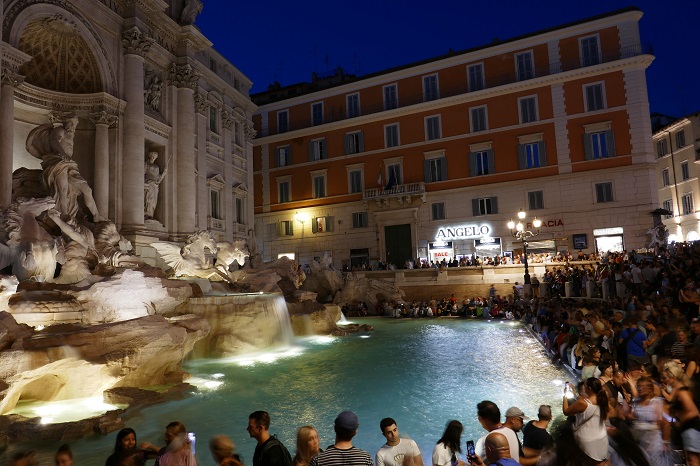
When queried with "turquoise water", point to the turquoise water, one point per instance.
{"points": [[420, 372]]}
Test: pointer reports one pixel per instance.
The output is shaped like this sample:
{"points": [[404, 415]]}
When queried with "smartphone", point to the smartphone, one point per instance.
{"points": [[568, 391], [193, 442], [470, 450]]}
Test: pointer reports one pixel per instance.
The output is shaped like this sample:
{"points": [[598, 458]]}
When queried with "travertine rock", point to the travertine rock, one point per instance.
{"points": [[310, 318], [368, 290]]}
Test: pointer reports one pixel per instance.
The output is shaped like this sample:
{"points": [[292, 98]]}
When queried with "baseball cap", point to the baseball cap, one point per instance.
{"points": [[347, 420], [516, 412], [545, 412]]}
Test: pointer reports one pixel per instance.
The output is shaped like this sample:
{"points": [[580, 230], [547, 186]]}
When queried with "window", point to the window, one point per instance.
{"points": [[595, 97], [603, 192], [680, 139], [214, 207], [239, 210], [531, 155], [590, 55], [283, 121], [661, 148], [319, 186], [213, 120], [665, 179], [478, 119], [432, 128], [391, 135], [535, 200], [317, 114], [355, 181], [360, 219], [322, 224], [484, 206], [668, 205], [430, 88], [688, 204], [685, 171], [284, 190], [317, 150], [394, 170], [391, 97], [528, 109], [481, 163], [599, 145], [438, 211], [354, 143], [353, 105], [284, 156], [475, 74], [285, 228], [524, 66], [435, 169]]}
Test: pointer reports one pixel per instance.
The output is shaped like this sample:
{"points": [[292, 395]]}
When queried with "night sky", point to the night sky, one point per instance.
{"points": [[286, 41]]}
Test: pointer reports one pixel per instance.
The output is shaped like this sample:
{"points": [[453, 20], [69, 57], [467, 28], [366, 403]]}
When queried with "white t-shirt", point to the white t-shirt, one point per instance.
{"points": [[393, 456], [512, 443], [442, 455]]}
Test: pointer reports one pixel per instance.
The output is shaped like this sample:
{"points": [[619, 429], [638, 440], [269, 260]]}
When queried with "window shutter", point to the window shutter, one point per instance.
{"points": [[426, 171], [361, 138], [588, 150], [443, 169], [314, 225], [280, 229], [543, 154], [365, 219], [323, 149], [290, 226], [329, 223], [522, 162], [610, 141], [311, 151], [491, 160], [472, 164], [346, 141], [494, 205], [475, 207]]}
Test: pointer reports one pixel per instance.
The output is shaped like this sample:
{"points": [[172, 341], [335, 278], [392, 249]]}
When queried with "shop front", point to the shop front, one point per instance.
{"points": [[608, 240]]}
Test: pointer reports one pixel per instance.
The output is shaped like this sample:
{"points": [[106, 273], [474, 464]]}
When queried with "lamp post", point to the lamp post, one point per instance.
{"points": [[519, 232], [301, 217]]}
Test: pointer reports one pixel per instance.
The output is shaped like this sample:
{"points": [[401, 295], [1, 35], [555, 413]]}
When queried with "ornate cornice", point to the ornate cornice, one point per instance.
{"points": [[227, 119], [200, 104], [84, 103], [249, 131], [183, 76], [103, 118], [11, 77], [136, 42]]}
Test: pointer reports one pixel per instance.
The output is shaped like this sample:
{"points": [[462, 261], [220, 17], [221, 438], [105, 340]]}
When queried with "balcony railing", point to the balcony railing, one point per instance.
{"points": [[332, 113], [410, 189]]}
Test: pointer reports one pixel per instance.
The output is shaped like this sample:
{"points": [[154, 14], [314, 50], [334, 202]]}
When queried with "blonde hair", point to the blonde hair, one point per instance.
{"points": [[221, 447], [673, 369], [303, 454]]}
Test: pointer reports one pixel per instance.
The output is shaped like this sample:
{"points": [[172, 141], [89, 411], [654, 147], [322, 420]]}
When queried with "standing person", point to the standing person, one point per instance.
{"points": [[684, 410], [126, 442], [64, 456], [446, 449], [269, 451], [535, 435], [221, 448], [342, 452], [497, 452], [515, 419], [590, 409], [631, 345], [308, 445], [489, 417], [396, 450], [177, 451], [649, 426]]}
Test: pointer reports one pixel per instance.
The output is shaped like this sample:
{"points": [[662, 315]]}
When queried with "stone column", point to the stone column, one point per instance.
{"points": [[136, 44], [229, 202], [100, 190], [9, 79]]}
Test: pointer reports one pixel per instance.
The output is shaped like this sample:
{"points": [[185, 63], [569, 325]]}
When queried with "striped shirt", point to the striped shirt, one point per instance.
{"points": [[336, 457]]}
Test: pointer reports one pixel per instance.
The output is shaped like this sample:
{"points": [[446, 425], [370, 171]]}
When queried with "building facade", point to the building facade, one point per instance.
{"points": [[430, 160], [141, 78], [677, 176]]}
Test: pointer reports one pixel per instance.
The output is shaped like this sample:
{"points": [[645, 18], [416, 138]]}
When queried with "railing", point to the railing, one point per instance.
{"points": [[410, 189], [332, 114]]}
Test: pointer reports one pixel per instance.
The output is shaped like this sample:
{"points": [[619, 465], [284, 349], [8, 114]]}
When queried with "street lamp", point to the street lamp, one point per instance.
{"points": [[519, 232]]}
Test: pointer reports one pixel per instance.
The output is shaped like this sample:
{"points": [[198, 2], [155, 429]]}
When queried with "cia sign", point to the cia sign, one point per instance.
{"points": [[463, 232]]}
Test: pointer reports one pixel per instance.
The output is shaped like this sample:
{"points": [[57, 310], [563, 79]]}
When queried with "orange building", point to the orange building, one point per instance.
{"points": [[431, 159]]}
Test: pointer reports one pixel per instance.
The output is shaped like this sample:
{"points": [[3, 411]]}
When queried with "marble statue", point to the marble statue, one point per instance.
{"points": [[60, 176], [230, 252], [81, 243], [190, 11], [151, 96], [25, 245], [151, 186], [191, 259], [658, 236]]}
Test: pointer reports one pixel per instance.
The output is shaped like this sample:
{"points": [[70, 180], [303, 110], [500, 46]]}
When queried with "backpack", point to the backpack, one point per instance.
{"points": [[272, 442]]}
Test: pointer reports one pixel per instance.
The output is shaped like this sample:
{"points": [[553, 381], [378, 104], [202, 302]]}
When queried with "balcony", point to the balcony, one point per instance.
{"points": [[402, 193]]}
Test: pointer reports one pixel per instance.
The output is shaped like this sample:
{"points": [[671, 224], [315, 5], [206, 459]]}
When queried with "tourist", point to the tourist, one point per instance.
{"points": [[23, 458], [631, 346], [396, 451], [497, 452], [177, 450], [515, 419], [308, 445], [591, 410], [64, 456], [342, 452], [684, 410], [446, 449], [269, 451], [679, 347], [126, 442], [221, 448], [649, 426], [489, 417], [535, 435]]}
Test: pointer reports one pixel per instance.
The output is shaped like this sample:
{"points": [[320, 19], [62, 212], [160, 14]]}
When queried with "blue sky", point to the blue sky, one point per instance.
{"points": [[286, 41]]}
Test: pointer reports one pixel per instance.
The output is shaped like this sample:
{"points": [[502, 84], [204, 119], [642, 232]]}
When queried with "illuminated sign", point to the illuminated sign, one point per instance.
{"points": [[547, 223], [607, 231], [463, 232], [440, 245]]}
